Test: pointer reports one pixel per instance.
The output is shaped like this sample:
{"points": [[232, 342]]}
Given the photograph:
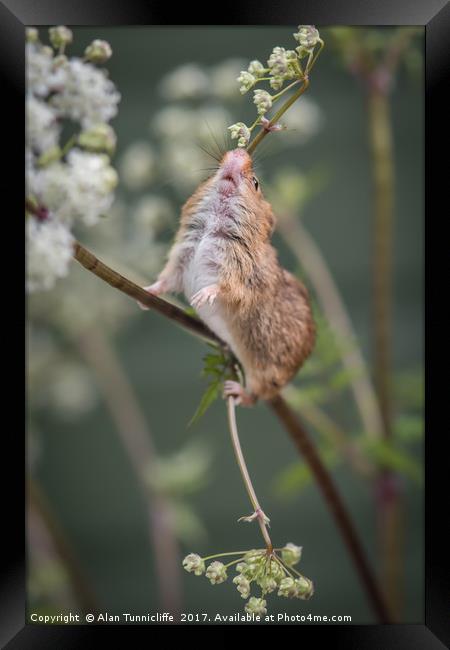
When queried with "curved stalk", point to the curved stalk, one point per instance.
{"points": [[244, 472]]}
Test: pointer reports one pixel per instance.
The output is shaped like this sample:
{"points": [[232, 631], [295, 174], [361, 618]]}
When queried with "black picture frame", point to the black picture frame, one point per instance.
{"points": [[434, 15]]}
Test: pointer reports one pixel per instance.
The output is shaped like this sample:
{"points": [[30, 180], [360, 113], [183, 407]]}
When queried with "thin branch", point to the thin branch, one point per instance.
{"points": [[329, 491], [388, 496], [245, 474]]}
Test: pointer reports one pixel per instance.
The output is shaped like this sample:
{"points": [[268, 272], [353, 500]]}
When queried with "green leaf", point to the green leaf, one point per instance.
{"points": [[209, 396]]}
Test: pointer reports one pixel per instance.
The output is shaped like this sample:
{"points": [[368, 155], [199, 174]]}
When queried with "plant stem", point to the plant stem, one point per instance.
{"points": [[81, 587], [136, 439], [389, 501], [210, 557], [265, 130], [322, 422], [335, 504], [311, 259], [244, 471], [383, 171]]}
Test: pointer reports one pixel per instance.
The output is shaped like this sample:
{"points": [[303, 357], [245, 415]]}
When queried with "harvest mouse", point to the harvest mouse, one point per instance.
{"points": [[223, 262]]}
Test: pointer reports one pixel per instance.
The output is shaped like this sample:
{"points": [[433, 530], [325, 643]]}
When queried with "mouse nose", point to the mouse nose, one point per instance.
{"points": [[234, 163]]}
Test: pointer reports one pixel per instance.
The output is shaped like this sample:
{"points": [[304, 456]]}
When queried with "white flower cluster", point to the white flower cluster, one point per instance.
{"points": [[241, 132], [87, 95], [282, 65], [267, 570], [71, 183], [79, 189], [49, 247]]}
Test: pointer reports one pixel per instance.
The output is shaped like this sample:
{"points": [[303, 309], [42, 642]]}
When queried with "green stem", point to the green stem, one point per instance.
{"points": [[264, 131], [244, 472], [310, 65], [242, 553], [233, 562], [281, 93]]}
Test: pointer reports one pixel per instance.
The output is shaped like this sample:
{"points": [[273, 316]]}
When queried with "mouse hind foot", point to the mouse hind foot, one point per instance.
{"points": [[236, 390]]}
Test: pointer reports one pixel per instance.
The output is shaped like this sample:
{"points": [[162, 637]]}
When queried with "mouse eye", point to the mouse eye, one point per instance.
{"points": [[255, 182]]}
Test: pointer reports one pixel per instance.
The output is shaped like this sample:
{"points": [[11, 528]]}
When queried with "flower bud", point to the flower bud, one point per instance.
{"points": [[47, 51], [307, 36], [276, 82], [287, 588], [98, 51], [256, 606], [60, 61], [100, 137], [243, 585], [240, 131], [246, 80], [60, 36], [291, 554], [277, 62], [304, 588], [31, 35], [256, 68], [263, 101], [193, 563], [110, 178], [267, 584], [216, 573]]}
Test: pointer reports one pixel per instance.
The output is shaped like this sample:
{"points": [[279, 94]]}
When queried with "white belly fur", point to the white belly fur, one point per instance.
{"points": [[200, 272]]}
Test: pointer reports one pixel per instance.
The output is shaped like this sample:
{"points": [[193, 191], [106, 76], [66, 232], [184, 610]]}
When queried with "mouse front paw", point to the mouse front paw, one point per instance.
{"points": [[207, 295], [156, 289]]}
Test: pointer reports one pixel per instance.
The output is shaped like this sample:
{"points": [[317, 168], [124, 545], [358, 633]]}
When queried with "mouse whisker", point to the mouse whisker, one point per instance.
{"points": [[208, 152], [219, 150]]}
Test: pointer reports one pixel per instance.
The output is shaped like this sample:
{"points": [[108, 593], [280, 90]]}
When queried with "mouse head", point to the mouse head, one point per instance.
{"points": [[236, 182]]}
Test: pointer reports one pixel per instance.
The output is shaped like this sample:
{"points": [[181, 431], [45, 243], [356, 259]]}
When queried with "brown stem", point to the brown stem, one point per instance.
{"points": [[107, 274], [341, 516], [81, 587], [136, 439], [389, 505], [383, 170]]}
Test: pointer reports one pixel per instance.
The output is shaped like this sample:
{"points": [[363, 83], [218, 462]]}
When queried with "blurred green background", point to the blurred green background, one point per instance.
{"points": [[79, 461]]}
